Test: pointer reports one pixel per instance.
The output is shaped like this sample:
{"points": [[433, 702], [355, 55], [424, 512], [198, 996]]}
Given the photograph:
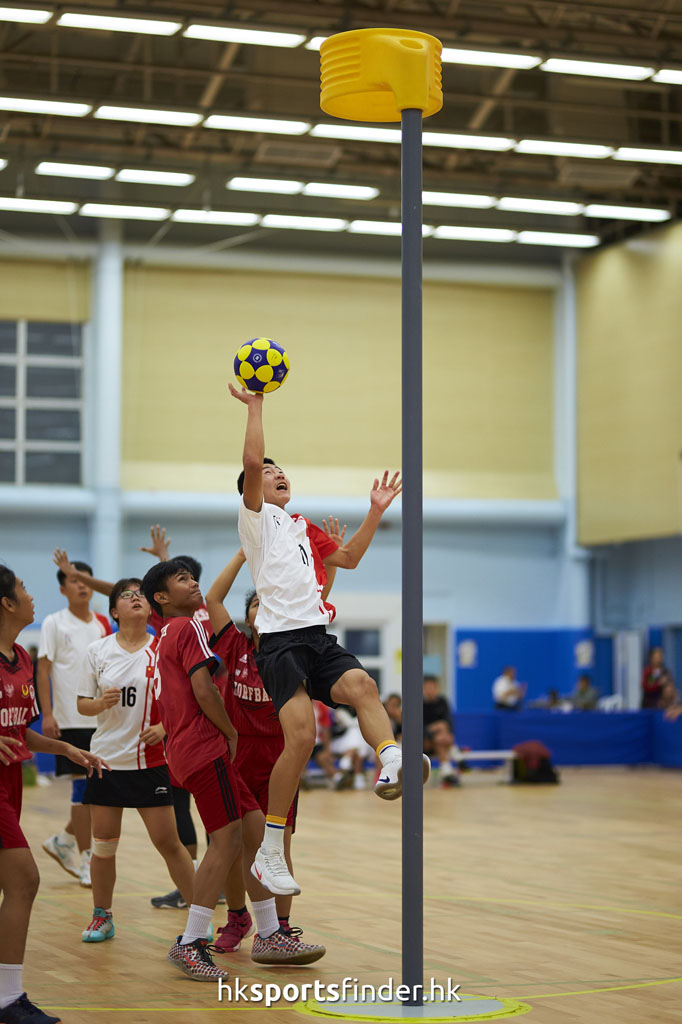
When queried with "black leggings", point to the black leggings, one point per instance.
{"points": [[183, 818]]}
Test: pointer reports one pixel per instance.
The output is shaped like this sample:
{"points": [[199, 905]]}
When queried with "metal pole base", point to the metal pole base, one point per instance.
{"points": [[469, 1008]]}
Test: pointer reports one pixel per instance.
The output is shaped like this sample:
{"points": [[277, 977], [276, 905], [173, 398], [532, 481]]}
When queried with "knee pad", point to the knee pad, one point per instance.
{"points": [[104, 847], [77, 790]]}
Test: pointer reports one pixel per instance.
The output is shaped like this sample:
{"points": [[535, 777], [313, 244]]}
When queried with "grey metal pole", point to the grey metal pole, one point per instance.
{"points": [[412, 569]]}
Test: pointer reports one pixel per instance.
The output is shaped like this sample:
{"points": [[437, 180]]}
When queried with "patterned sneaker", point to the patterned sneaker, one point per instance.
{"points": [[238, 927], [389, 785], [194, 960], [173, 900], [100, 928], [270, 868], [23, 1011], [66, 855], [281, 948], [86, 881], [292, 932]]}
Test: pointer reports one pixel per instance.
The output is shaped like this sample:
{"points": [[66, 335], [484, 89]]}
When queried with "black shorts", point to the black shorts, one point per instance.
{"points": [[79, 738], [308, 656], [141, 787]]}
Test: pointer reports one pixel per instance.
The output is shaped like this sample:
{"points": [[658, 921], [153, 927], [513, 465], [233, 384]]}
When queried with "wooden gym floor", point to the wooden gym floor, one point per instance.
{"points": [[568, 898]]}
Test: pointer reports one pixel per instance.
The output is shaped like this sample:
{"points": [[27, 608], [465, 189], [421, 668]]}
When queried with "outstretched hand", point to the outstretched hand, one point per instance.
{"points": [[62, 561], [332, 530], [383, 493], [160, 546], [247, 397]]}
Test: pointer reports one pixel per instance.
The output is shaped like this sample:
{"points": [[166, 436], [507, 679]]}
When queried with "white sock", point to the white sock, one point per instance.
{"points": [[273, 838], [389, 752], [10, 983], [65, 839], [198, 920], [265, 913]]}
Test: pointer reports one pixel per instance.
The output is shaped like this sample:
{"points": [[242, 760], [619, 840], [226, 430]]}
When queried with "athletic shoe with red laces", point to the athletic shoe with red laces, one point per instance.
{"points": [[281, 948], [238, 927], [292, 932], [194, 960], [23, 1011], [100, 928]]}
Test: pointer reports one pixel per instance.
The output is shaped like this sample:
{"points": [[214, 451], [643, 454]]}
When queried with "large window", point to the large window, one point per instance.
{"points": [[41, 402]]}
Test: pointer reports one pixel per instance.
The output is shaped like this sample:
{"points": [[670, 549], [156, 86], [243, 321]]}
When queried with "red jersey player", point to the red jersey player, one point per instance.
{"points": [[18, 872]]}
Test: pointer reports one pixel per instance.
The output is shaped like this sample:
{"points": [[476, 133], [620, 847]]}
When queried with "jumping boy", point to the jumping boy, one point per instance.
{"points": [[297, 660]]}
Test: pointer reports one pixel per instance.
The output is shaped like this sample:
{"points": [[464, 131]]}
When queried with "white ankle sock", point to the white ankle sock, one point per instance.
{"points": [[10, 983], [389, 752], [267, 922], [198, 920], [273, 838]]}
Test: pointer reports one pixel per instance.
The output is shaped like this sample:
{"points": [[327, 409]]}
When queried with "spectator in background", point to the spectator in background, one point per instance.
{"points": [[508, 694], [439, 740], [669, 701], [654, 676], [394, 710], [585, 695]]}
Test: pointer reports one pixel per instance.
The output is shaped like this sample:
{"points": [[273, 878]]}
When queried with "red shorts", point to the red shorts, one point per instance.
{"points": [[256, 756], [220, 793], [11, 787]]}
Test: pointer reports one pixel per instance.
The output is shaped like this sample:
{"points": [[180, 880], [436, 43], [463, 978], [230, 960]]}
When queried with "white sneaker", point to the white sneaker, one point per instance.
{"points": [[389, 785], [86, 857], [66, 855], [270, 868]]}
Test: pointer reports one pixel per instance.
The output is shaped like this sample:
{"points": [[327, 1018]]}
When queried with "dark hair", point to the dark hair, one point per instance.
{"points": [[396, 696], [8, 584], [155, 579], [430, 678], [240, 478], [81, 566], [192, 564], [119, 587], [247, 603]]}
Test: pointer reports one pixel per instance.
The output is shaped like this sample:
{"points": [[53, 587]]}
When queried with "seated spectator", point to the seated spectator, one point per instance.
{"points": [[669, 701], [349, 745], [439, 740], [585, 695], [654, 675], [322, 752], [507, 693], [394, 710]]}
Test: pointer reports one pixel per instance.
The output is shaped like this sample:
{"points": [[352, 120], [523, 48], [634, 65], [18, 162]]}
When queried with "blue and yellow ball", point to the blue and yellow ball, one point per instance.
{"points": [[261, 365]]}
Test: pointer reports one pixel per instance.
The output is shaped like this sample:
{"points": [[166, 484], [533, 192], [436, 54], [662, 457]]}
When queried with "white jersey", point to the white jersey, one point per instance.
{"points": [[117, 739], [287, 573], [64, 640]]}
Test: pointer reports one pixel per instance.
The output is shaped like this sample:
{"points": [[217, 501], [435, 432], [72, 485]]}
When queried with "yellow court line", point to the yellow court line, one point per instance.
{"points": [[610, 988], [542, 903]]}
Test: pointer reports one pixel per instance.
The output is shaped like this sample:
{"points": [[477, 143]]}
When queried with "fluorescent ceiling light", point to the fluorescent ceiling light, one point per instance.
{"points": [[3, 164], [383, 227], [575, 241], [123, 212], [61, 170], [276, 220], [332, 190], [564, 209], [670, 76], [280, 187], [361, 133], [486, 58], [215, 217], [453, 141], [552, 147], [231, 34], [145, 115], [315, 43], [458, 199], [626, 212], [143, 177], [269, 125], [596, 69], [106, 23], [24, 15], [471, 234], [37, 205], [649, 156], [56, 107]]}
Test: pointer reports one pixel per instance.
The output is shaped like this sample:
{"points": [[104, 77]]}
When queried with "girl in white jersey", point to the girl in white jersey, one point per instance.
{"points": [[119, 690]]}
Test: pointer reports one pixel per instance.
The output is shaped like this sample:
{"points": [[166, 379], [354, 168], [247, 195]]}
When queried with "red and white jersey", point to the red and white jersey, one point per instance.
{"points": [[246, 700], [156, 621], [64, 641], [192, 739], [285, 555], [18, 707], [117, 738]]}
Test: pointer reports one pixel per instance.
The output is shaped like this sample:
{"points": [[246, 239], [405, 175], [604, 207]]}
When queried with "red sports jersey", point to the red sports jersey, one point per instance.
{"points": [[192, 739], [248, 705], [156, 621], [18, 707]]}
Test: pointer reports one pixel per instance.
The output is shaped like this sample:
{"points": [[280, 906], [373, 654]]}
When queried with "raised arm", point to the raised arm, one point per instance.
{"points": [[61, 560], [160, 543], [254, 448], [218, 591], [381, 496], [331, 528]]}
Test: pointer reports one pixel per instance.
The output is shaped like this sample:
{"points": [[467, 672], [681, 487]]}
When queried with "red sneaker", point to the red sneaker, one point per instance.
{"points": [[238, 927]]}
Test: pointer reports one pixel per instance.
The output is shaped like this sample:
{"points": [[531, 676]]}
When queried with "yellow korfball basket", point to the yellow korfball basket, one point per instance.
{"points": [[373, 74]]}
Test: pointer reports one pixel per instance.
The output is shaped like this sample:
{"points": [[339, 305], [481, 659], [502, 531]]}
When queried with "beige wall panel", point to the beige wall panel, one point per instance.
{"points": [[488, 381], [34, 290], [629, 409]]}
